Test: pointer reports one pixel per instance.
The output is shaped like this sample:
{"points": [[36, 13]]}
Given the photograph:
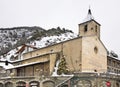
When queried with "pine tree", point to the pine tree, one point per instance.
{"points": [[62, 68]]}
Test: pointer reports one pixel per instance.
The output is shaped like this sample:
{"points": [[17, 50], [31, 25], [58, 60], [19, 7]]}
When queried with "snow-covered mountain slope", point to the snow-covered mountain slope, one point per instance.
{"points": [[43, 42], [50, 40], [11, 38]]}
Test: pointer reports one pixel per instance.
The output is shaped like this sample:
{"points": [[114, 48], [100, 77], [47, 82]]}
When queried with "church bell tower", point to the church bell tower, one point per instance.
{"points": [[89, 26]]}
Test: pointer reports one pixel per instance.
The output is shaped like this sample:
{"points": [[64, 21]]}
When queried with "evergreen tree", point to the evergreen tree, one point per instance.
{"points": [[62, 68]]}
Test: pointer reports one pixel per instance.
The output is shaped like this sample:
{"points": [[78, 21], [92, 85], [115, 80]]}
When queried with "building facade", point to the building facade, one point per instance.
{"points": [[79, 62]]}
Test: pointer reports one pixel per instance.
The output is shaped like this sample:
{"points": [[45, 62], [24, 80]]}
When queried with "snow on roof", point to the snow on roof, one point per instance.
{"points": [[8, 55], [6, 66], [114, 57], [89, 16], [26, 64], [23, 48]]}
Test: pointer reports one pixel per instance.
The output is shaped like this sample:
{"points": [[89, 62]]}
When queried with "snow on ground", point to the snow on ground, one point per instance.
{"points": [[55, 71], [56, 68]]}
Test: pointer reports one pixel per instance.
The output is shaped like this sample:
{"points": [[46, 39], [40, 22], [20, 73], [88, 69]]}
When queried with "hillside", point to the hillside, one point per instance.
{"points": [[13, 38], [10, 38]]}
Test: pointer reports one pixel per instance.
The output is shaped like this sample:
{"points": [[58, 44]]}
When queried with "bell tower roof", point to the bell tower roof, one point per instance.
{"points": [[89, 16]]}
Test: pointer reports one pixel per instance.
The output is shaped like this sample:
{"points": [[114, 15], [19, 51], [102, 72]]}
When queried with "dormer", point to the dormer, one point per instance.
{"points": [[89, 26]]}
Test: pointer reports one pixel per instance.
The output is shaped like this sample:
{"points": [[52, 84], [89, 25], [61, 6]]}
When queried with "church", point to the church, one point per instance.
{"points": [[80, 62]]}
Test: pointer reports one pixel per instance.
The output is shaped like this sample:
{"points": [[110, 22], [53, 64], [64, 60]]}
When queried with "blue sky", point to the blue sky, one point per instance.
{"points": [[64, 13]]}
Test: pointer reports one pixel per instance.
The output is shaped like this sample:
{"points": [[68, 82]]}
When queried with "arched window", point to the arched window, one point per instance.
{"points": [[1, 85], [21, 84], [8, 84], [48, 84], [34, 84], [84, 83]]}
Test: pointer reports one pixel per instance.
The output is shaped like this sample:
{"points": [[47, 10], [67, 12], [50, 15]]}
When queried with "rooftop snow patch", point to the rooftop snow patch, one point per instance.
{"points": [[89, 16], [6, 66]]}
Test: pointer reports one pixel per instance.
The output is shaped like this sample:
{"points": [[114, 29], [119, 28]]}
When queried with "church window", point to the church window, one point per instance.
{"points": [[95, 70], [96, 28], [92, 28], [95, 49], [85, 28]]}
